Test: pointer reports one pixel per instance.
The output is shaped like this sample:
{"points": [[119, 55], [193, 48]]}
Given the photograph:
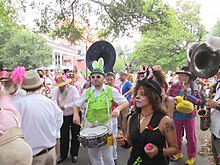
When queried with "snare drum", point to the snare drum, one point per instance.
{"points": [[93, 137]]}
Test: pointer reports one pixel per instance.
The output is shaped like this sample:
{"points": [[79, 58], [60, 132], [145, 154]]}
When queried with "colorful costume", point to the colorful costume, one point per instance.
{"points": [[187, 121], [139, 140], [98, 115]]}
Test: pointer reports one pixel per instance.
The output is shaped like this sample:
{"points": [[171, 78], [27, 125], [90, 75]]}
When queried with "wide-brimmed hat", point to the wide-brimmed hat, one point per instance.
{"points": [[184, 70], [97, 70], [61, 80], [31, 80], [6, 77]]}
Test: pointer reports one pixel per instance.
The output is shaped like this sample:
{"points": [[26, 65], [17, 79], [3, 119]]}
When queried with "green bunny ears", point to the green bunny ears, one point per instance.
{"points": [[98, 64], [98, 67]]}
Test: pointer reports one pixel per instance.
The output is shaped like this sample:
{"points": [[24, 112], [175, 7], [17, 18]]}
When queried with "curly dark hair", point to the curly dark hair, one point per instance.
{"points": [[159, 74], [153, 97]]}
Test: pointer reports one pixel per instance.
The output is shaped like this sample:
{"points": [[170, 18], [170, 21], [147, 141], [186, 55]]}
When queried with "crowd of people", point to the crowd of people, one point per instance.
{"points": [[39, 109]]}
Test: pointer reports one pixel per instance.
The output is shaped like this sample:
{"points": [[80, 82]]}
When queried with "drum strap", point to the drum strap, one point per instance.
{"points": [[87, 101]]}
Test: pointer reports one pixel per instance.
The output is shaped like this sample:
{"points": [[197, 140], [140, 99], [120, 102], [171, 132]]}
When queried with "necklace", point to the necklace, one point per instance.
{"points": [[144, 116]]}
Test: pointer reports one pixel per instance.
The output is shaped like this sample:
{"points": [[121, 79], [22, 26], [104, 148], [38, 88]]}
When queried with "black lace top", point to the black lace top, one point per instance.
{"points": [[151, 134]]}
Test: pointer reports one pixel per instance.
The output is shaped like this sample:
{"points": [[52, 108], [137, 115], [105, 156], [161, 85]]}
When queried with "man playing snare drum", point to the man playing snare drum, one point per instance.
{"points": [[99, 99]]}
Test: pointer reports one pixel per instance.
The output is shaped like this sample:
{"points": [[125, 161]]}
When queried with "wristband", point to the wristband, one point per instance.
{"points": [[126, 146], [160, 151]]}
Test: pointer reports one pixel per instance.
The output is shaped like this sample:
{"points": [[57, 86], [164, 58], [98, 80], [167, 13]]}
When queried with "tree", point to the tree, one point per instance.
{"points": [[166, 45], [216, 29], [26, 49], [119, 65], [188, 13], [8, 26], [17, 45], [118, 17]]}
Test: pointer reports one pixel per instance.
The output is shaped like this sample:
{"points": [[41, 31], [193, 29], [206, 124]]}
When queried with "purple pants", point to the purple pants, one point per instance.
{"points": [[189, 126]]}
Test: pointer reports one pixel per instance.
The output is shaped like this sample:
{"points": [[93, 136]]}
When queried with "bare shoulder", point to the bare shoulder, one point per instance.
{"points": [[166, 119], [167, 124], [169, 99]]}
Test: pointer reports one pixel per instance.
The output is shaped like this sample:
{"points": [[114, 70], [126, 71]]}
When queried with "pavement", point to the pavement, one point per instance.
{"points": [[203, 145]]}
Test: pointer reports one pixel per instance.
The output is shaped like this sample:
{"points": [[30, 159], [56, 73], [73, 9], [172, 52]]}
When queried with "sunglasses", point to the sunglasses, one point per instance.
{"points": [[98, 77]]}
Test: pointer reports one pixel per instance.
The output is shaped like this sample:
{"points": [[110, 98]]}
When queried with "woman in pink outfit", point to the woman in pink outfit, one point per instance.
{"points": [[11, 138]]}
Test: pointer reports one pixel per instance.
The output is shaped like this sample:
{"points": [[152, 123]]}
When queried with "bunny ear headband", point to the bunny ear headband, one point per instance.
{"points": [[142, 69], [148, 81], [129, 66], [147, 71], [98, 67]]}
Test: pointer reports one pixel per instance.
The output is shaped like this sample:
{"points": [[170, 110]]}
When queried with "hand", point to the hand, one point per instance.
{"points": [[151, 152], [76, 119], [120, 139], [62, 107], [115, 113], [211, 103]]}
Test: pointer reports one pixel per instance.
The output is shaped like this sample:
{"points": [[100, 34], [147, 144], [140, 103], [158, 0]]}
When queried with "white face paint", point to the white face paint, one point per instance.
{"points": [[141, 98]]}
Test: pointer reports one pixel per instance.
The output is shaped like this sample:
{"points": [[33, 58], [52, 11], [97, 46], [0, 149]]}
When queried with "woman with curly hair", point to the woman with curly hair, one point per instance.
{"points": [[167, 101], [149, 128]]}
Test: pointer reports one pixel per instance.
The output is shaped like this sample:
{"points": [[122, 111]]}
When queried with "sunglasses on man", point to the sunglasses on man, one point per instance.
{"points": [[98, 77]]}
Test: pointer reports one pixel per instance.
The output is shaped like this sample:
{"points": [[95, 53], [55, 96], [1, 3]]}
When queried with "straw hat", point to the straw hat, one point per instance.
{"points": [[61, 81], [31, 80]]}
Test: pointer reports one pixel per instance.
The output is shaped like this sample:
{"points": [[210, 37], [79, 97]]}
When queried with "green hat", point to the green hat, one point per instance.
{"points": [[98, 67]]}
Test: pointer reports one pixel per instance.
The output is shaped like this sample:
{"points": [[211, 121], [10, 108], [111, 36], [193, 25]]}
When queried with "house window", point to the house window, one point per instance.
{"points": [[57, 57]]}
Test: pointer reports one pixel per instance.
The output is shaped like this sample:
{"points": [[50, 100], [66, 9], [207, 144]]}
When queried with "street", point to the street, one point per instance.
{"points": [[204, 158]]}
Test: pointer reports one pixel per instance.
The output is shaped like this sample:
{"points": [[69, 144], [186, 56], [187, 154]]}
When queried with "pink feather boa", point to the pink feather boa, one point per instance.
{"points": [[17, 74]]}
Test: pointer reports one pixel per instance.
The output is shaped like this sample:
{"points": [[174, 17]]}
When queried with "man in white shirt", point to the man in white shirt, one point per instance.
{"points": [[215, 121], [41, 120], [65, 96], [97, 115]]}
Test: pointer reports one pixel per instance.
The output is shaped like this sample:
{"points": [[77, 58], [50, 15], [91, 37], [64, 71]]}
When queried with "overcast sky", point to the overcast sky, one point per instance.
{"points": [[209, 11]]}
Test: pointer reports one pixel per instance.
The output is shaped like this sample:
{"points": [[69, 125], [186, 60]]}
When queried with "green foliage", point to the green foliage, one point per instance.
{"points": [[118, 18], [119, 65], [8, 27], [68, 31], [26, 49], [216, 29], [19, 46], [166, 45], [188, 13], [58, 18]]}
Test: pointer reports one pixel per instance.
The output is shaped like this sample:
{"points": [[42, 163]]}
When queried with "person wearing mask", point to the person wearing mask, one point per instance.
{"points": [[149, 128]]}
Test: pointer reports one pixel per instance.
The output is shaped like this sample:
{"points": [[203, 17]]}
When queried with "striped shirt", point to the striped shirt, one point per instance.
{"points": [[175, 90]]}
